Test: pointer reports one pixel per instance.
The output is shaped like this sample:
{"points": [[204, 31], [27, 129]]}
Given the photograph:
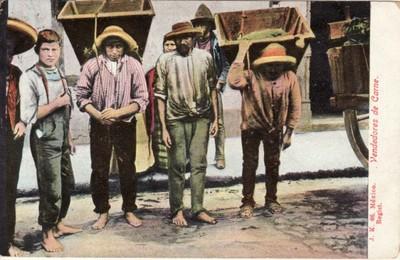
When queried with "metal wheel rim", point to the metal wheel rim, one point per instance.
{"points": [[351, 123]]}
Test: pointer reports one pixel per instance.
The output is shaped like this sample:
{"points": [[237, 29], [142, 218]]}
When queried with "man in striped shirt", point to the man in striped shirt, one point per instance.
{"points": [[112, 89]]}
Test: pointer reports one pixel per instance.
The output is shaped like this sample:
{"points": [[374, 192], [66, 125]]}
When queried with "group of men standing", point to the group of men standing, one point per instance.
{"points": [[187, 84]]}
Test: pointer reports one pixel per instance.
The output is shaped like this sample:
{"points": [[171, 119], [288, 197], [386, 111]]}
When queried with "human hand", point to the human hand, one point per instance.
{"points": [[214, 128], [287, 138], [287, 141], [166, 138], [98, 116], [110, 114], [63, 100], [19, 130], [220, 86], [72, 147], [107, 121]]}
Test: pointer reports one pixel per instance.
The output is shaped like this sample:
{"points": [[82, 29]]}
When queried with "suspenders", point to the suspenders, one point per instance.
{"points": [[46, 84]]}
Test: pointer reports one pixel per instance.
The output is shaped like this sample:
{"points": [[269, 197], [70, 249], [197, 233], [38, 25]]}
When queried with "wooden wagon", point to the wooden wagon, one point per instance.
{"points": [[83, 20], [349, 66]]}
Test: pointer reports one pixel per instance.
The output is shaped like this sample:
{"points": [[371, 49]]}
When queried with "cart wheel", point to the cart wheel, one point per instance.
{"points": [[352, 119]]}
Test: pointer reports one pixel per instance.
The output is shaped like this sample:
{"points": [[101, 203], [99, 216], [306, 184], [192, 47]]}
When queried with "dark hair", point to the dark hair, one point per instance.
{"points": [[112, 39], [46, 36]]}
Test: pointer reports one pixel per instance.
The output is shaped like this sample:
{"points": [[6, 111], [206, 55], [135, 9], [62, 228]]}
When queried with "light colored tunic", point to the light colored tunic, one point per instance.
{"points": [[185, 83], [33, 92]]}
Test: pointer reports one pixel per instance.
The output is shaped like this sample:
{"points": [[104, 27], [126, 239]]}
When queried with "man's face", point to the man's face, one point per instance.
{"points": [[169, 46], [114, 49], [11, 43], [49, 54], [205, 30], [272, 71], [184, 45]]}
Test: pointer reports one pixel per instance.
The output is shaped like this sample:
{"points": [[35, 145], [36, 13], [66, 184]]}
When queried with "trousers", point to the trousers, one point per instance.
{"points": [[121, 136], [220, 137], [189, 141], [251, 140], [13, 158], [51, 154]]}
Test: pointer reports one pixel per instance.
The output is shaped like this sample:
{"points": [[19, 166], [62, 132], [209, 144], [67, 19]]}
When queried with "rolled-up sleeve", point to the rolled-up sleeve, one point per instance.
{"points": [[84, 87], [139, 92], [160, 88], [294, 112], [29, 99]]}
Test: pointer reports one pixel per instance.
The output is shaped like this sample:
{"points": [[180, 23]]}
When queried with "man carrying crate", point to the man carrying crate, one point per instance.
{"points": [[271, 102]]}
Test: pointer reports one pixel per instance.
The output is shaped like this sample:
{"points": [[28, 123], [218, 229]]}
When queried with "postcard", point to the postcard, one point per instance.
{"points": [[202, 129]]}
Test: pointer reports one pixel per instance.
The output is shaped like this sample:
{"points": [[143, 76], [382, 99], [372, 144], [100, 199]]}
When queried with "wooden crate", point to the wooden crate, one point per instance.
{"points": [[231, 26], [78, 19], [349, 69]]}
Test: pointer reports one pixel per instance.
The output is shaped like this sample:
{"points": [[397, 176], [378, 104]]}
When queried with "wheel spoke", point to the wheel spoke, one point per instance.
{"points": [[362, 117]]}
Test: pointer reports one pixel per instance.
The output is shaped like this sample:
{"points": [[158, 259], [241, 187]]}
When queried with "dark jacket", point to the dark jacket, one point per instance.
{"points": [[220, 61]]}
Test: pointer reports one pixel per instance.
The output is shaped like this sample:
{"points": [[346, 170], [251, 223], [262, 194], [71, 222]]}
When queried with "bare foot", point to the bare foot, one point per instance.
{"points": [[50, 243], [63, 229], [133, 220], [101, 221], [14, 251], [179, 219], [204, 217], [246, 211]]}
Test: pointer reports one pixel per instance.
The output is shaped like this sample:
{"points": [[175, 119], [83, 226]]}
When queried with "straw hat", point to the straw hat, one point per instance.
{"points": [[26, 34], [273, 53], [116, 31], [204, 15], [183, 28]]}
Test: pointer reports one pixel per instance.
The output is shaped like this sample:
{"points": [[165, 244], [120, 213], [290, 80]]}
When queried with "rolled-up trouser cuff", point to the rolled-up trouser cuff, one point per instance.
{"points": [[175, 211], [130, 209], [248, 201], [101, 211], [47, 227], [196, 212]]}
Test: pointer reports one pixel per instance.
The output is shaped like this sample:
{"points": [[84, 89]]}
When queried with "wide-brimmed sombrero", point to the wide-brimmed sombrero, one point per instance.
{"points": [[26, 34], [203, 15], [116, 31], [274, 53], [183, 28]]}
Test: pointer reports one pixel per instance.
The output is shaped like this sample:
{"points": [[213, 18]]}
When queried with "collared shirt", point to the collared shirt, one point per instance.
{"points": [[98, 86], [33, 91], [185, 83], [266, 104]]}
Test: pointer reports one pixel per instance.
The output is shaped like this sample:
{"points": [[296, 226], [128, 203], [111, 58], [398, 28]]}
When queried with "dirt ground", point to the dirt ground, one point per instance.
{"points": [[325, 218]]}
